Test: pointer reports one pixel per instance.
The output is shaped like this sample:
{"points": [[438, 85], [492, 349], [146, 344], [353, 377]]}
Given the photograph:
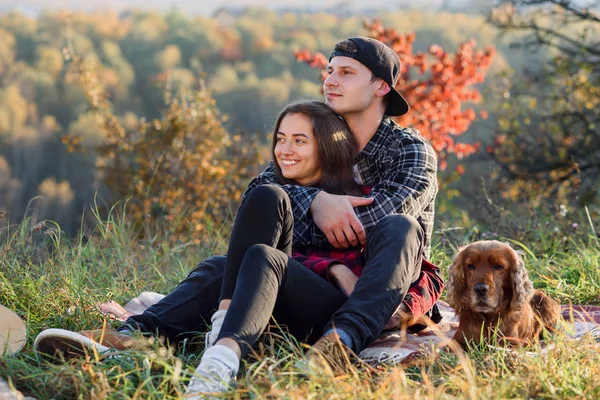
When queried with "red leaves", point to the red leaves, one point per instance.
{"points": [[315, 60], [444, 83]]}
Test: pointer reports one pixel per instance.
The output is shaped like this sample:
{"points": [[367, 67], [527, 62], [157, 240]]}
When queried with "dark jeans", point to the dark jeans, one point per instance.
{"points": [[185, 312], [264, 281]]}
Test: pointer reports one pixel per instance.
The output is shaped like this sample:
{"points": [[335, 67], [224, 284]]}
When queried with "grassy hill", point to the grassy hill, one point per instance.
{"points": [[53, 282]]}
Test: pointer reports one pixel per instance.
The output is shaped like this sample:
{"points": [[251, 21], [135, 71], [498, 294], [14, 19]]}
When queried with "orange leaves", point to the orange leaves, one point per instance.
{"points": [[436, 85], [436, 50], [437, 100], [315, 60]]}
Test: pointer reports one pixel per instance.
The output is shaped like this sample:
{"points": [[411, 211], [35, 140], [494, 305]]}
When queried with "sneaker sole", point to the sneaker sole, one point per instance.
{"points": [[68, 344]]}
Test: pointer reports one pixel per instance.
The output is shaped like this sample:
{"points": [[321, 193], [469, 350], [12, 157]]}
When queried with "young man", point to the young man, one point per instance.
{"points": [[399, 165], [396, 225]]}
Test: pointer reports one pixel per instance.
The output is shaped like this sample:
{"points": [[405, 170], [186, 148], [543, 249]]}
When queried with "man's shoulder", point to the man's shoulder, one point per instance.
{"points": [[400, 137], [401, 132]]}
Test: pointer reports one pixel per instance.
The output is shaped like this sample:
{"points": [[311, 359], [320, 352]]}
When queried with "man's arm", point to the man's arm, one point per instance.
{"points": [[306, 232], [421, 297], [426, 291], [408, 186]]}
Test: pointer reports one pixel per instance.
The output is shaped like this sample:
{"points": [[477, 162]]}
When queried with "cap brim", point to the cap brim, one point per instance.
{"points": [[397, 105]]}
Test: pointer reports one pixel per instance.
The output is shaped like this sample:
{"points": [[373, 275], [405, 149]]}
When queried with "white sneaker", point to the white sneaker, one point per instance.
{"points": [[217, 322], [68, 344], [215, 374]]}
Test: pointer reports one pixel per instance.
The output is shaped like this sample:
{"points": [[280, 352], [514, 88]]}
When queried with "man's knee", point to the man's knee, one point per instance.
{"points": [[213, 266], [400, 224], [267, 194]]}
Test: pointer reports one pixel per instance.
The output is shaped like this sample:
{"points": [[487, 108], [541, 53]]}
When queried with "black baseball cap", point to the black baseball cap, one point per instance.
{"points": [[383, 63]]}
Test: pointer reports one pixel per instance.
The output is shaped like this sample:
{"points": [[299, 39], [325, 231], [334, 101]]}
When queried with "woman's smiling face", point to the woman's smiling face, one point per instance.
{"points": [[296, 149]]}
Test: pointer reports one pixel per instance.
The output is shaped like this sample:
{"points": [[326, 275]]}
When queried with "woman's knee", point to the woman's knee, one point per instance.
{"points": [[258, 251], [267, 194], [264, 256]]}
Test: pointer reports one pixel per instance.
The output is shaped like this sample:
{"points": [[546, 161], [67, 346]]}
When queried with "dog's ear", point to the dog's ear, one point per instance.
{"points": [[521, 284], [457, 286]]}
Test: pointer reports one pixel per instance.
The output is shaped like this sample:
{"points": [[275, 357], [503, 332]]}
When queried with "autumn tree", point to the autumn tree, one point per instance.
{"points": [[244, 58], [182, 171], [436, 86], [548, 142]]}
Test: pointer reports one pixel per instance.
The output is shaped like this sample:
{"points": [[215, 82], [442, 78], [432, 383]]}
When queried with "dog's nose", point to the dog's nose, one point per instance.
{"points": [[481, 289]]}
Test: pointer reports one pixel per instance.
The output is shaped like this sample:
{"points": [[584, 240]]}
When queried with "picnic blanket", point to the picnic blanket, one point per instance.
{"points": [[395, 347]]}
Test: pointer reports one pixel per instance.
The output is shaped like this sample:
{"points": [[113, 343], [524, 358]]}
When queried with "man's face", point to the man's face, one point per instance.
{"points": [[348, 87]]}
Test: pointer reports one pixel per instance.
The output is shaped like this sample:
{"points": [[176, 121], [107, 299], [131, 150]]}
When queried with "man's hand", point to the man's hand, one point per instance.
{"points": [[343, 277], [400, 319], [335, 216]]}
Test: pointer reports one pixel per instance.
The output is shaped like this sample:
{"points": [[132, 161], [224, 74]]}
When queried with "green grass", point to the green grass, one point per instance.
{"points": [[54, 282]]}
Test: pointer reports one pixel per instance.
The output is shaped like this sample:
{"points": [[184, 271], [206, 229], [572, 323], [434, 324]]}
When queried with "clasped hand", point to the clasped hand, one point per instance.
{"points": [[335, 217]]}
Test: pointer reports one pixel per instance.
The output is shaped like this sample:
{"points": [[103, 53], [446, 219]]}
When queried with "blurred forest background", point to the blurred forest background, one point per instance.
{"points": [[170, 112]]}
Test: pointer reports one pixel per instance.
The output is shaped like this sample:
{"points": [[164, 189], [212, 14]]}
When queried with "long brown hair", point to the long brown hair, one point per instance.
{"points": [[336, 147]]}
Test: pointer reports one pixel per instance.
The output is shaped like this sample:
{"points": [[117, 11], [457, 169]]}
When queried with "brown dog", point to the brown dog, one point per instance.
{"points": [[490, 289]]}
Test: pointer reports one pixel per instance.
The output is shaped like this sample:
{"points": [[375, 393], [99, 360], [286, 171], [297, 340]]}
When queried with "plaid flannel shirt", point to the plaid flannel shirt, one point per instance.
{"points": [[399, 165], [421, 296]]}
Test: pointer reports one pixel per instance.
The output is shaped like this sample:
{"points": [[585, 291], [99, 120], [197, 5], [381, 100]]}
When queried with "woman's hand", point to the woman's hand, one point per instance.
{"points": [[343, 277]]}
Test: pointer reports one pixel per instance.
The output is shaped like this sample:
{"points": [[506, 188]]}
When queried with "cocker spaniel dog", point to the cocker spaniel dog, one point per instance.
{"points": [[490, 289]]}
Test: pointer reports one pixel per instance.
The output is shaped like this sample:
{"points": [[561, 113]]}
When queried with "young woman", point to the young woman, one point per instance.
{"points": [[264, 277], [311, 146]]}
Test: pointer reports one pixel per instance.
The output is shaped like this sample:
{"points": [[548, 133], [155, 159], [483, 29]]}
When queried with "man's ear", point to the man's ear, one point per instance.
{"points": [[383, 88]]}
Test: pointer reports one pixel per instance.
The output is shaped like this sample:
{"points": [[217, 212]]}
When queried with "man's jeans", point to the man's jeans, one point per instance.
{"points": [[264, 280]]}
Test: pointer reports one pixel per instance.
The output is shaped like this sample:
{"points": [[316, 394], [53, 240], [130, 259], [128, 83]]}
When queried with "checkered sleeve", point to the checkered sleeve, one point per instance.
{"points": [[409, 184], [426, 291], [301, 198]]}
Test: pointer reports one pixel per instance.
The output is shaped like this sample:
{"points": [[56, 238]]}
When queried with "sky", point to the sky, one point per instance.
{"points": [[208, 6]]}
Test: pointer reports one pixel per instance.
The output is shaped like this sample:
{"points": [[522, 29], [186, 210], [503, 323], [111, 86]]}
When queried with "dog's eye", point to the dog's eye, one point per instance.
{"points": [[471, 266], [498, 267]]}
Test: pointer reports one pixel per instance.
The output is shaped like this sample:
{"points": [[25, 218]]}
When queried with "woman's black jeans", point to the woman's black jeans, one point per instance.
{"points": [[262, 280]]}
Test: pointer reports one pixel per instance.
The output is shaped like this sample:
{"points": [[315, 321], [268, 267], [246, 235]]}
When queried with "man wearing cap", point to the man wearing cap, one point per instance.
{"points": [[399, 166]]}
